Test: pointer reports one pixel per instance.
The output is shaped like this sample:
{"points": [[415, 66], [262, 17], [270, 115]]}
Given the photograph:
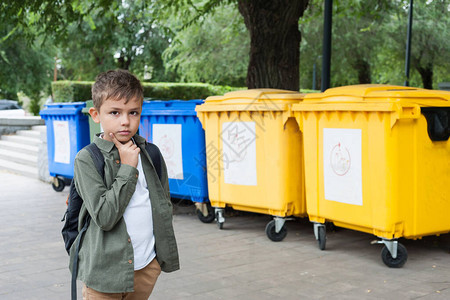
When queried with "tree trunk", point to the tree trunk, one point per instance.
{"points": [[274, 42], [363, 68], [124, 62], [427, 75]]}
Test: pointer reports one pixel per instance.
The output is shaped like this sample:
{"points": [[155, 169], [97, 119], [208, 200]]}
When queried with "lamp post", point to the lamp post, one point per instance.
{"points": [[408, 42], [326, 56]]}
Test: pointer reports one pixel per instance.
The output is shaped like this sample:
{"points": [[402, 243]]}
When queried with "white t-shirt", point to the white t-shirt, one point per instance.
{"points": [[139, 221]]}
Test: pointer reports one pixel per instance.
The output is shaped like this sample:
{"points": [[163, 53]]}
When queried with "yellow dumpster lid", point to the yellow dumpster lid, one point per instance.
{"points": [[380, 93], [252, 99]]}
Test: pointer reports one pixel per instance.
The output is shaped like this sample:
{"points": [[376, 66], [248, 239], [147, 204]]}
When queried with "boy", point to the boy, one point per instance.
{"points": [[130, 238]]}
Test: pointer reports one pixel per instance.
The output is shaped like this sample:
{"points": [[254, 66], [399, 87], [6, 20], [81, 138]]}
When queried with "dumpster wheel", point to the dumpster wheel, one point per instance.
{"points": [[220, 224], [218, 213], [58, 184], [322, 237], [272, 234], [320, 233], [399, 261], [209, 218]]}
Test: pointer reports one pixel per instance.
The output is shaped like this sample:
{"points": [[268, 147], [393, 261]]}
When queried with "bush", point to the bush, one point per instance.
{"points": [[307, 91], [34, 106], [74, 91], [183, 91], [9, 95], [71, 91]]}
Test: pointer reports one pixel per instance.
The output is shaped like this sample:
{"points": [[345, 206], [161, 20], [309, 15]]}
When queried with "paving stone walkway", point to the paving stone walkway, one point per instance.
{"points": [[238, 262]]}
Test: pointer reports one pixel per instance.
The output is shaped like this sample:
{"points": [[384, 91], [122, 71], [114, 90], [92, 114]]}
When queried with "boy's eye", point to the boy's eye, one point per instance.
{"points": [[114, 113], [134, 113]]}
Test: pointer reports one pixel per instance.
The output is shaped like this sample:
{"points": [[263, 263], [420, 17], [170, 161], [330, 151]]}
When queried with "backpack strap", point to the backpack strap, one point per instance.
{"points": [[97, 157], [99, 163], [75, 259], [155, 155]]}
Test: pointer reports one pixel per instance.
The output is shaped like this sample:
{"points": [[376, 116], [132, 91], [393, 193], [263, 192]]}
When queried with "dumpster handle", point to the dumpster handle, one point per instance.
{"points": [[412, 112], [404, 112], [438, 122]]}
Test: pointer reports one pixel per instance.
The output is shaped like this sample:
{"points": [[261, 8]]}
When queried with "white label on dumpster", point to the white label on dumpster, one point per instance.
{"points": [[62, 141], [168, 138], [239, 153], [342, 165]]}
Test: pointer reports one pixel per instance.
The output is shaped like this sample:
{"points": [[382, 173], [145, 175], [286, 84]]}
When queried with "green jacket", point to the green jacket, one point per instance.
{"points": [[106, 254]]}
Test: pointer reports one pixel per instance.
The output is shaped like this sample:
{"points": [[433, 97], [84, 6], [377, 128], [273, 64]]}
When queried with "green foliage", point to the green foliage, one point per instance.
{"points": [[71, 91], [214, 50], [308, 91], [24, 66], [5, 94], [356, 34], [82, 91], [430, 43], [75, 91], [62, 91], [37, 17], [189, 12], [34, 107], [205, 41], [183, 91], [126, 37], [369, 36]]}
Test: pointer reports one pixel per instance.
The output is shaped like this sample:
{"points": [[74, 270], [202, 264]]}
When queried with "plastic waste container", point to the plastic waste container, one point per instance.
{"points": [[254, 155], [94, 128], [174, 127], [67, 133], [377, 160]]}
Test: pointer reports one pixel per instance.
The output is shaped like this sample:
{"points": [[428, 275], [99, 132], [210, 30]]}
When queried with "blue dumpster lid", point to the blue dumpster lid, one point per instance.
{"points": [[58, 109], [171, 107]]}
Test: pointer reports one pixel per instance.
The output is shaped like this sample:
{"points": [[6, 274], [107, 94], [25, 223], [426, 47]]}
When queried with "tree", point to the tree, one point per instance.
{"points": [[275, 42], [430, 46], [357, 34], [94, 36], [430, 38], [126, 37], [88, 48], [27, 57], [274, 36], [214, 50], [24, 66], [273, 27], [41, 17]]}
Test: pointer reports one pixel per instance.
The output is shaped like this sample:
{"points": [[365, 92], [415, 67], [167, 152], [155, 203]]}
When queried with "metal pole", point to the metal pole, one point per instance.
{"points": [[326, 57], [408, 42], [55, 70]]}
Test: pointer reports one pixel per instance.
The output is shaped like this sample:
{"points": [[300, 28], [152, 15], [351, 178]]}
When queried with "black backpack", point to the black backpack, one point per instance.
{"points": [[74, 202]]}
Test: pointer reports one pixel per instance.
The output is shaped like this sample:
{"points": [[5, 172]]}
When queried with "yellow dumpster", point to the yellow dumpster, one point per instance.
{"points": [[377, 160], [254, 155]]}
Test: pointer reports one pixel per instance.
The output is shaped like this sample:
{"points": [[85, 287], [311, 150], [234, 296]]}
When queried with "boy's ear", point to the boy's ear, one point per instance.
{"points": [[94, 114]]}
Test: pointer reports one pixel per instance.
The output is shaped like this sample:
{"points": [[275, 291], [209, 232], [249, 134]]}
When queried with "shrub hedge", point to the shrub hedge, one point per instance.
{"points": [[75, 91]]}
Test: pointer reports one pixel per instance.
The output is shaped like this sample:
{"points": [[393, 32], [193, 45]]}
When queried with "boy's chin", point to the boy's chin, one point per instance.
{"points": [[123, 140]]}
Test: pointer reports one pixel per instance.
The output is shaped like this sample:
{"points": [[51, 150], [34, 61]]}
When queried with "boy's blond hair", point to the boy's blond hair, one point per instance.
{"points": [[116, 85]]}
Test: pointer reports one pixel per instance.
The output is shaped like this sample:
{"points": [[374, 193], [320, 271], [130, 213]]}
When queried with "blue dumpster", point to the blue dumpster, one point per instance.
{"points": [[174, 127], [67, 133]]}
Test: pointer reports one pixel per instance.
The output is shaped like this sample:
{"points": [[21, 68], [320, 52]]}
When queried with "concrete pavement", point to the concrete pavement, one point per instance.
{"points": [[238, 262]]}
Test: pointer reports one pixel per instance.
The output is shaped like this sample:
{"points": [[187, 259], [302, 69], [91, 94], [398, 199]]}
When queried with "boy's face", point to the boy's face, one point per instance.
{"points": [[117, 117]]}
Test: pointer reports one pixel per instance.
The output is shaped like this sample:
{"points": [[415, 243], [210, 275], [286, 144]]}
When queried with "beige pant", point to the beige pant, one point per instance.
{"points": [[144, 281]]}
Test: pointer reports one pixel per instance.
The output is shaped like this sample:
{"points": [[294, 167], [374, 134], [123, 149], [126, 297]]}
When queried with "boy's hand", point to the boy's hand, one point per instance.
{"points": [[129, 152]]}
